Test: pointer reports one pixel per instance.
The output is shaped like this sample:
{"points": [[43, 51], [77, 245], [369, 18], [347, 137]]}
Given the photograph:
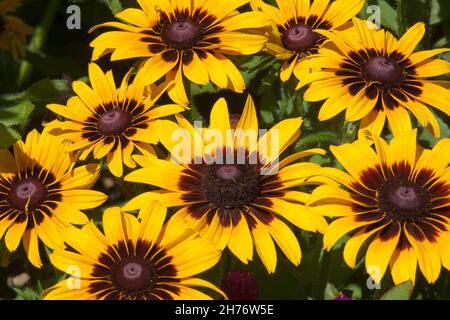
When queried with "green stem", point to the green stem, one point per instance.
{"points": [[227, 263], [324, 269], [38, 39], [427, 19], [401, 16], [316, 268], [194, 114]]}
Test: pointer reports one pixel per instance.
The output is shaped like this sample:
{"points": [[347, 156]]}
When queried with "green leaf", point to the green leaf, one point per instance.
{"points": [[114, 5], [321, 160], [317, 140], [29, 293], [47, 91], [355, 289], [401, 292], [331, 292], [7, 136], [388, 16], [435, 18], [401, 16], [40, 94], [16, 115], [267, 116]]}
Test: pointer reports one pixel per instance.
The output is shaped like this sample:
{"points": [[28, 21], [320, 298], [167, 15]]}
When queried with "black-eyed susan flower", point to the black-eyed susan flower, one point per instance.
{"points": [[13, 31], [190, 38], [111, 122], [41, 193], [397, 200], [374, 76], [134, 259], [229, 184], [292, 37]]}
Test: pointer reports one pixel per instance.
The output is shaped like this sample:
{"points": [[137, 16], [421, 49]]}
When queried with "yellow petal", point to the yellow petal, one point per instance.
{"points": [[380, 251]]}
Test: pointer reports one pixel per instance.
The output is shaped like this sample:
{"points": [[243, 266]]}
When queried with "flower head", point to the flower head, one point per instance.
{"points": [[190, 38], [111, 122], [134, 259], [374, 76], [229, 183], [41, 194], [293, 37], [397, 199]]}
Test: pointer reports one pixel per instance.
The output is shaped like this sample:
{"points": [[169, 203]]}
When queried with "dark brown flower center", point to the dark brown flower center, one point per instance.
{"points": [[231, 186], [181, 34], [383, 70], [403, 197], [114, 122], [29, 192], [299, 37], [134, 274]]}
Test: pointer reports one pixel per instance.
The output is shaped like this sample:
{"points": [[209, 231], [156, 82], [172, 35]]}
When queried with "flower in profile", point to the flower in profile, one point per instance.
{"points": [[134, 259], [397, 199], [374, 76], [293, 36], [240, 285], [189, 38], [231, 187], [13, 31], [111, 122], [41, 194]]}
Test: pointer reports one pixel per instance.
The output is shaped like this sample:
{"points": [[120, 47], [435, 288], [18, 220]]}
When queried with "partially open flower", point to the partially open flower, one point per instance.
{"points": [[240, 285]]}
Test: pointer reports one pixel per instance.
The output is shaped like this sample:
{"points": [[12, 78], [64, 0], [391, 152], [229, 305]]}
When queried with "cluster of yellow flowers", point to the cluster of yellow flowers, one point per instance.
{"points": [[395, 195]]}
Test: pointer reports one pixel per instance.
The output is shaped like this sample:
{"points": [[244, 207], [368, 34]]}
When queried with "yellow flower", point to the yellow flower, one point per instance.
{"points": [[373, 76], [241, 196], [41, 194], [13, 31], [134, 259], [293, 36], [397, 199], [111, 122], [190, 38]]}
